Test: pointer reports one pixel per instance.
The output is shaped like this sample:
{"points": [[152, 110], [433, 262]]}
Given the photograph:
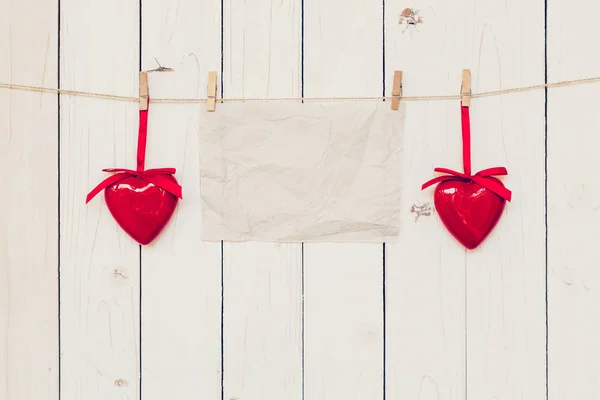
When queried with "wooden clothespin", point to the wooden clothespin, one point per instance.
{"points": [[143, 90], [396, 90], [211, 93], [465, 91]]}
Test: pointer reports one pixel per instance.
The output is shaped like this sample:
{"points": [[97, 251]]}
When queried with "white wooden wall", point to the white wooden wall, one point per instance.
{"points": [[86, 314]]}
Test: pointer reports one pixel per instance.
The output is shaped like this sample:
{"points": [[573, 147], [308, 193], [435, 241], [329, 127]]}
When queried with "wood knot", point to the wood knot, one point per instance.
{"points": [[121, 382]]}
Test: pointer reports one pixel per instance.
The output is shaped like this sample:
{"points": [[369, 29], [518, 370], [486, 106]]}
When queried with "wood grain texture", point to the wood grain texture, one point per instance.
{"points": [[503, 289], [262, 321], [343, 283], [573, 218], [261, 48], [343, 54], [506, 274], [343, 321], [457, 324], [28, 203], [573, 205], [181, 276], [425, 270], [99, 262], [262, 281]]}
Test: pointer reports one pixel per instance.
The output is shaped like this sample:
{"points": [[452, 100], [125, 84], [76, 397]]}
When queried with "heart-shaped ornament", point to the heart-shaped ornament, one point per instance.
{"points": [[470, 205], [142, 201], [141, 208], [468, 210]]}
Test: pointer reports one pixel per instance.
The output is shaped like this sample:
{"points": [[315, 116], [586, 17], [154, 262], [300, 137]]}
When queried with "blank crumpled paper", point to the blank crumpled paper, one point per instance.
{"points": [[313, 172]]}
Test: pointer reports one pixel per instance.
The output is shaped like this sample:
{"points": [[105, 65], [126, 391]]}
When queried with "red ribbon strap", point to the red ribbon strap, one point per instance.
{"points": [[156, 176], [482, 177]]}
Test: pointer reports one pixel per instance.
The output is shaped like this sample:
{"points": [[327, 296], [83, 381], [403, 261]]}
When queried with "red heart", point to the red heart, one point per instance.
{"points": [[468, 210], [141, 208]]}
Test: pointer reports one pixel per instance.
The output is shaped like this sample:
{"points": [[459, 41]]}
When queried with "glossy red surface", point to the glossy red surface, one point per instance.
{"points": [[468, 210], [140, 208]]}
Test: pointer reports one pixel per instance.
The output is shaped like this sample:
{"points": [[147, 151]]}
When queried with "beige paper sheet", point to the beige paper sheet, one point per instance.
{"points": [[313, 172]]}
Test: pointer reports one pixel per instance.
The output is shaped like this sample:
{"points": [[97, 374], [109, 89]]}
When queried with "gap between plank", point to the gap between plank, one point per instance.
{"points": [[384, 323], [58, 143], [140, 246], [222, 326], [546, 178], [302, 319]]}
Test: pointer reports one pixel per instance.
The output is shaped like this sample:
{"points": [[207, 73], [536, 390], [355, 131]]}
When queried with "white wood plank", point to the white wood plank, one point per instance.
{"points": [[343, 50], [425, 270], [262, 321], [431, 53], [28, 203], [343, 331], [573, 204], [343, 321], [573, 218], [181, 276], [262, 47], [500, 362], [505, 275], [99, 262], [506, 318], [262, 281]]}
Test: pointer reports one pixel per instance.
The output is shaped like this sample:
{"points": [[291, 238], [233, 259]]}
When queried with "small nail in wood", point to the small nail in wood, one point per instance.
{"points": [[465, 92], [211, 93], [143, 90], [396, 90]]}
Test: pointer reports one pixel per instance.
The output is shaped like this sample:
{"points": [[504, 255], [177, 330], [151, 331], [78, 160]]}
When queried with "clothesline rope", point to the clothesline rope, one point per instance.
{"points": [[203, 100]]}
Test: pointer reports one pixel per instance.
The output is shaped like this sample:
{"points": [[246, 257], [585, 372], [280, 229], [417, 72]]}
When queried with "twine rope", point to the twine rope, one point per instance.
{"points": [[42, 89]]}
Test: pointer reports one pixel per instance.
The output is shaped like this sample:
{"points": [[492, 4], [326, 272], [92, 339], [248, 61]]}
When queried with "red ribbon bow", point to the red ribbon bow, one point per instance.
{"points": [[482, 177], [156, 176]]}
